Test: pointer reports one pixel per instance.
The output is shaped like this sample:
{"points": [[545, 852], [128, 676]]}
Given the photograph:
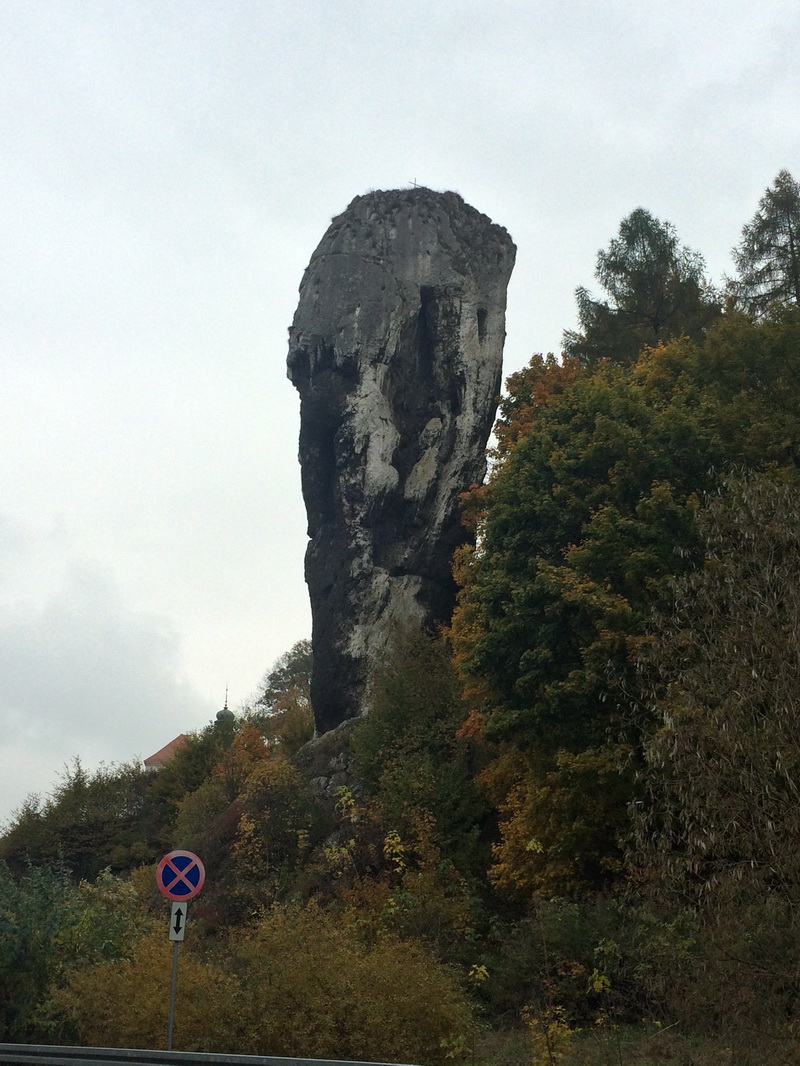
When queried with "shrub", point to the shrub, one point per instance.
{"points": [[298, 983], [313, 988], [126, 1003]]}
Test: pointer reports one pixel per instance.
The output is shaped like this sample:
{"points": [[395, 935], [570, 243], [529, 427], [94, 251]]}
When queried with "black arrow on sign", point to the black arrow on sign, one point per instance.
{"points": [[178, 921]]}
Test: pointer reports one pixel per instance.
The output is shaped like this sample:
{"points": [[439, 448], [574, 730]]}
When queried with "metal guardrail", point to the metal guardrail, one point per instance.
{"points": [[52, 1055]]}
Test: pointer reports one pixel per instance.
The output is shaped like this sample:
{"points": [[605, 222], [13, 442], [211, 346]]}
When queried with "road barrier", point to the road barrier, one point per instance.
{"points": [[52, 1055]]}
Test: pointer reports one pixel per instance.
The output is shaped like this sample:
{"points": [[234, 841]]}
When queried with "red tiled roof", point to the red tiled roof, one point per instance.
{"points": [[169, 751]]}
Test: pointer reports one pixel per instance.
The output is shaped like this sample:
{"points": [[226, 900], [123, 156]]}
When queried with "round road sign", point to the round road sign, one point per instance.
{"points": [[180, 875]]}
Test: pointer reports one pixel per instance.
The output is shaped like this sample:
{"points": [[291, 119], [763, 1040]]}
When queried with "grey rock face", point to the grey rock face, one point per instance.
{"points": [[396, 351]]}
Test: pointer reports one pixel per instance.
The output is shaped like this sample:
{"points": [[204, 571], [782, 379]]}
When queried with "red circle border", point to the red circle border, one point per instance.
{"points": [[186, 895]]}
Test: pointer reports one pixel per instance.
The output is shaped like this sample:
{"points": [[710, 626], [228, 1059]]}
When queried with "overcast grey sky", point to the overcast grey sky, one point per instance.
{"points": [[167, 170]]}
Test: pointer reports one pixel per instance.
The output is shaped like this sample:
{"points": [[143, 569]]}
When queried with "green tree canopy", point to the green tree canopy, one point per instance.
{"points": [[48, 927], [288, 681], [282, 706], [90, 821], [589, 514], [407, 754], [656, 289], [768, 256]]}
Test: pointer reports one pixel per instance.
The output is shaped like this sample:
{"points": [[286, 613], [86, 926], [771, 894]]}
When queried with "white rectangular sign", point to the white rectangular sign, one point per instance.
{"points": [[177, 921]]}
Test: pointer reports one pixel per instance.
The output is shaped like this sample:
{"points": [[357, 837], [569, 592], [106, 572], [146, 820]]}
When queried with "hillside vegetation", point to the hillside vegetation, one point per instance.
{"points": [[567, 830]]}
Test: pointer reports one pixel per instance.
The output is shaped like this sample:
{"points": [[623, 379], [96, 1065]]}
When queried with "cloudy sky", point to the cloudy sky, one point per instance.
{"points": [[167, 169]]}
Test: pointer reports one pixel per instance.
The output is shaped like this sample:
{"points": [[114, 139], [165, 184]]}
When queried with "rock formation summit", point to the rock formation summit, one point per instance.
{"points": [[396, 351]]}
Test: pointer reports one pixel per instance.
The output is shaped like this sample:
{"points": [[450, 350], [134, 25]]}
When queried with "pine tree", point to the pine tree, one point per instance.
{"points": [[656, 290], [768, 255]]}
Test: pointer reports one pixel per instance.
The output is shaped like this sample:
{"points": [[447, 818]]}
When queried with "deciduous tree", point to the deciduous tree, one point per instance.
{"points": [[282, 708], [288, 681], [49, 927], [588, 515]]}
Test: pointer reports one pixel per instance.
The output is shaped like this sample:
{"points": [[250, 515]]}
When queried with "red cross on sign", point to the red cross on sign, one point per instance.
{"points": [[180, 875]]}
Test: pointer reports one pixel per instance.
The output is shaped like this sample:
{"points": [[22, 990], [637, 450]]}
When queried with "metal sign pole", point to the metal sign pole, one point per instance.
{"points": [[179, 912], [172, 994]]}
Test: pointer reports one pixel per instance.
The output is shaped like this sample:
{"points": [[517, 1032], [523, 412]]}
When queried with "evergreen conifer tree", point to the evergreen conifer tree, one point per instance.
{"points": [[768, 256], [656, 290]]}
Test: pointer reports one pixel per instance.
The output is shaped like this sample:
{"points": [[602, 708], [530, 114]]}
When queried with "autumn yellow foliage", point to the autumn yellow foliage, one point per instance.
{"points": [[299, 982]]}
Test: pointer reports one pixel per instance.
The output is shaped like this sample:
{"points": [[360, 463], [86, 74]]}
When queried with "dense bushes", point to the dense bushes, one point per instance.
{"points": [[298, 982], [50, 927]]}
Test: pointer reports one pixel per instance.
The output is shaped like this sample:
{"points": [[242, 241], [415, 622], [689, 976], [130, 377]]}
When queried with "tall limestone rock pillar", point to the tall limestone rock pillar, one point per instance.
{"points": [[396, 350]]}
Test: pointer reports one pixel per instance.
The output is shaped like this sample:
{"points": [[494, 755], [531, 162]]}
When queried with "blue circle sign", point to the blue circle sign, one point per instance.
{"points": [[180, 875]]}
